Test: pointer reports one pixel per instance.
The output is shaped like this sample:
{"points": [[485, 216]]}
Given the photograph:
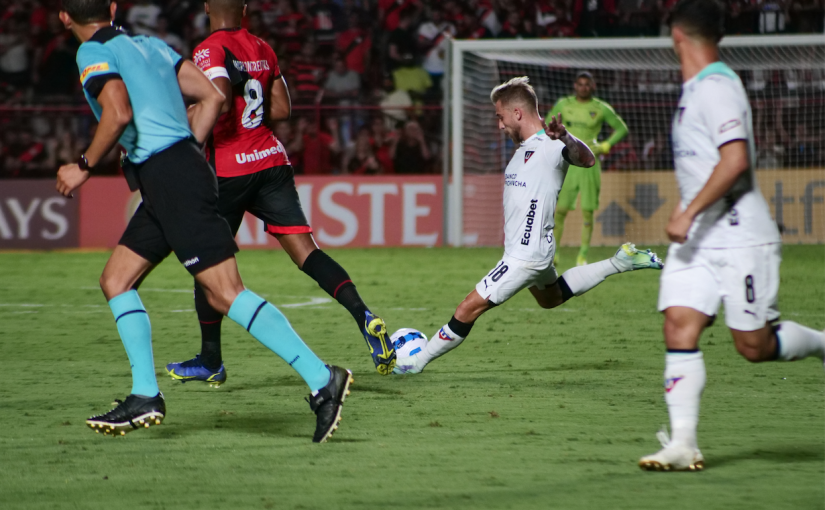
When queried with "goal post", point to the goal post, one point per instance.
{"points": [[783, 75]]}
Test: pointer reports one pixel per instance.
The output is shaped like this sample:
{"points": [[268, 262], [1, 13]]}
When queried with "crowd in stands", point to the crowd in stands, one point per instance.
{"points": [[343, 55]]}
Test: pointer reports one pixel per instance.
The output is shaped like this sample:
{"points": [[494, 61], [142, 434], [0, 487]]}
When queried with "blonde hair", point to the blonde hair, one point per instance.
{"points": [[517, 90]]}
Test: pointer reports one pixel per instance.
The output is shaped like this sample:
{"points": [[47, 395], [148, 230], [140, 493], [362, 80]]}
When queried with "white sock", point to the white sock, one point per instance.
{"points": [[440, 344], [583, 278], [684, 383], [797, 341]]}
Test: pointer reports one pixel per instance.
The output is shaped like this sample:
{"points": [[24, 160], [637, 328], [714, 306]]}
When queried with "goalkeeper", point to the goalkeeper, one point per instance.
{"points": [[583, 115]]}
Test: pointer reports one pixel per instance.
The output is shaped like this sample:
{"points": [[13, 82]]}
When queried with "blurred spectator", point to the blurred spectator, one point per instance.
{"points": [[360, 158], [528, 29], [433, 37], [290, 26], [805, 148], [169, 38], [355, 44], [637, 18], [389, 12], [563, 25], [623, 157], [512, 26], [592, 16], [14, 54], [412, 79], [327, 19], [342, 85], [656, 154], [402, 47], [383, 142], [395, 102], [177, 12], [771, 154], [807, 15], [30, 154], [546, 12], [773, 15], [317, 148], [143, 17], [55, 69], [483, 11], [411, 154], [307, 70], [255, 25]]}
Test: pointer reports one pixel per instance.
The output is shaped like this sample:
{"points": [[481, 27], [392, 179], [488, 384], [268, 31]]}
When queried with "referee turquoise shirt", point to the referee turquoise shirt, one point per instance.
{"points": [[148, 68]]}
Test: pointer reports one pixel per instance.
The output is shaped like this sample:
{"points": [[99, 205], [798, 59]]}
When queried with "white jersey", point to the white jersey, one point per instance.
{"points": [[713, 111], [532, 182]]}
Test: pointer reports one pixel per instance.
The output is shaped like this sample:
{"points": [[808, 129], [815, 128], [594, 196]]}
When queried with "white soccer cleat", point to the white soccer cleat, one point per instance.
{"points": [[628, 258], [673, 457], [408, 365]]}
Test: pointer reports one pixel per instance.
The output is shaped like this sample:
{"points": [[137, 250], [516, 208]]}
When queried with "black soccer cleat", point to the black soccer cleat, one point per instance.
{"points": [[328, 402], [131, 414]]}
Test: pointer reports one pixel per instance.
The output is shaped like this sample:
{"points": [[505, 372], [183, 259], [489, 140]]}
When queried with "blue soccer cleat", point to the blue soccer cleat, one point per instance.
{"points": [[193, 370], [375, 333]]}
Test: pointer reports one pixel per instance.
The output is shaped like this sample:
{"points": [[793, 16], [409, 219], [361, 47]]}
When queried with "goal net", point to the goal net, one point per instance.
{"points": [[640, 78]]}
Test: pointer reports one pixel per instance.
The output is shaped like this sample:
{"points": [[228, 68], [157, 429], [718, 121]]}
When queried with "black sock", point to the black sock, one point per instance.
{"points": [[336, 282], [461, 329], [566, 293], [210, 321], [775, 329]]}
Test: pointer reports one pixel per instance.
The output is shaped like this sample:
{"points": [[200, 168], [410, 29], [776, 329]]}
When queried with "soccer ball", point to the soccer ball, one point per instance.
{"points": [[408, 341]]}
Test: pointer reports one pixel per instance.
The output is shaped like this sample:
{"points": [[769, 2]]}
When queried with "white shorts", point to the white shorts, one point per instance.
{"points": [[746, 280], [512, 275]]}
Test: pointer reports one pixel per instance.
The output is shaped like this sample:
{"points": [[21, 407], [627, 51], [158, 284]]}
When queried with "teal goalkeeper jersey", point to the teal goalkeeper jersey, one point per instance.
{"points": [[148, 68]]}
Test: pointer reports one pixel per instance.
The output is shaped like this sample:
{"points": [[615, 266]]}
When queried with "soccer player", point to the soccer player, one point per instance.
{"points": [[533, 179], [254, 175], [135, 87], [726, 248], [584, 116]]}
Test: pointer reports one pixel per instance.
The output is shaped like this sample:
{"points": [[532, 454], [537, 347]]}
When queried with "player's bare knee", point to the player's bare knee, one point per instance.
{"points": [[220, 302], [112, 285]]}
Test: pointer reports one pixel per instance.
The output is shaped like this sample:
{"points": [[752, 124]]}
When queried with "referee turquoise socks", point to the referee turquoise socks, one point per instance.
{"points": [[271, 328], [136, 335]]}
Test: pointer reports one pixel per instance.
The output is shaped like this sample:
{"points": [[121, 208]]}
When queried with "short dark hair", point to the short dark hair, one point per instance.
{"points": [[87, 11], [699, 18], [585, 74]]}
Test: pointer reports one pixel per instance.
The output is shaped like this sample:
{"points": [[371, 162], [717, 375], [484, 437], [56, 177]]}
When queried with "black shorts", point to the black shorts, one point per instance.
{"points": [[269, 195], [179, 211]]}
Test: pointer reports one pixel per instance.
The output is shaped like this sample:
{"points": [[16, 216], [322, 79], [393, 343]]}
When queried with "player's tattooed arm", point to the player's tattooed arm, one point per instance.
{"points": [[578, 151]]}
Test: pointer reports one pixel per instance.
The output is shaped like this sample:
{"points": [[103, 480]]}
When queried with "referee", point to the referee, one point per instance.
{"points": [[583, 115], [134, 86]]}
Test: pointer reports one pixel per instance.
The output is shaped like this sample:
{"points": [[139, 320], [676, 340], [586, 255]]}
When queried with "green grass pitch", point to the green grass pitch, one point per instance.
{"points": [[537, 409]]}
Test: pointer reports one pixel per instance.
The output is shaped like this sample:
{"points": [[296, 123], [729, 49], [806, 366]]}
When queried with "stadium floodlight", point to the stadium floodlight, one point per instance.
{"points": [[640, 78]]}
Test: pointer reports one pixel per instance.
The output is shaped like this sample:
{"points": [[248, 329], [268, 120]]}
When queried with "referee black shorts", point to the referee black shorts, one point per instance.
{"points": [[269, 195], [179, 211]]}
